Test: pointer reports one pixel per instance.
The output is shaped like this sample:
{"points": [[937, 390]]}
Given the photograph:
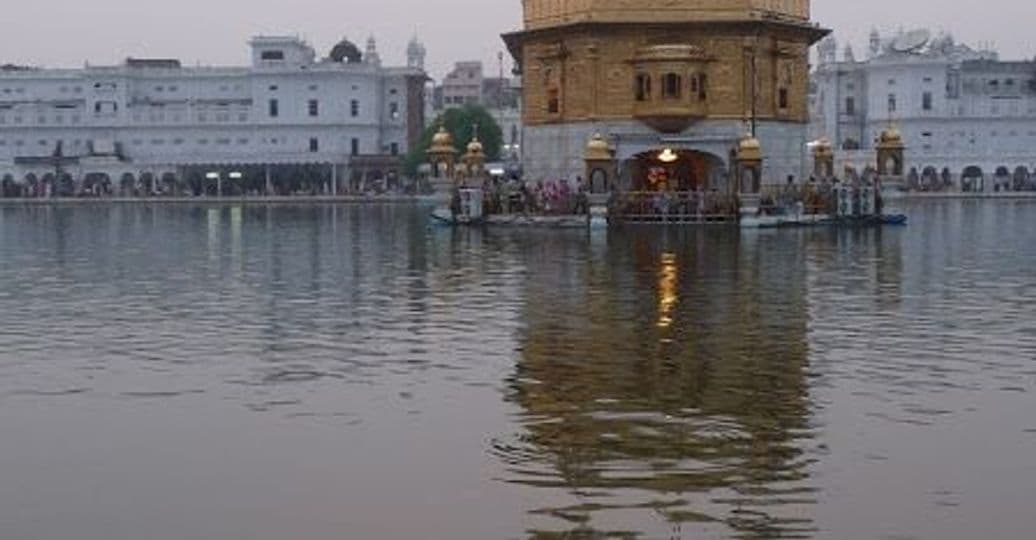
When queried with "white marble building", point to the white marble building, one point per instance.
{"points": [[968, 119], [156, 125]]}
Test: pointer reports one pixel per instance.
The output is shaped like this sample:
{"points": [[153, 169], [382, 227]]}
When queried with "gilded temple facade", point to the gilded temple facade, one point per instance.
{"points": [[692, 76]]}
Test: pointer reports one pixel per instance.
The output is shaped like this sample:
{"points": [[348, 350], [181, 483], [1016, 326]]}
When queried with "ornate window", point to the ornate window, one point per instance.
{"points": [[672, 86], [553, 101]]}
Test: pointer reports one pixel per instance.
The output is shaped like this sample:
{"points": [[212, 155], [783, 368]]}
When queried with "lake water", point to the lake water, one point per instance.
{"points": [[343, 372]]}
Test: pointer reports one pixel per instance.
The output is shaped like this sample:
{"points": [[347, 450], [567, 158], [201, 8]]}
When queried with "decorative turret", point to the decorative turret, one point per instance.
{"points": [[371, 55], [749, 149], [749, 157], [891, 137], [415, 54], [598, 149], [599, 158], [890, 150], [875, 43], [823, 158], [827, 50], [441, 154], [475, 159]]}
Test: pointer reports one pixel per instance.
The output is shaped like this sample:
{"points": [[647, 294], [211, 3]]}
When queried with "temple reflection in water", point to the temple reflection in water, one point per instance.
{"points": [[690, 404]]}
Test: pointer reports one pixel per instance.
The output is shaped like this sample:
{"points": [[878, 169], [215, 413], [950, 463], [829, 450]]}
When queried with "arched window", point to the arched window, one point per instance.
{"points": [[672, 86], [642, 87], [702, 87]]}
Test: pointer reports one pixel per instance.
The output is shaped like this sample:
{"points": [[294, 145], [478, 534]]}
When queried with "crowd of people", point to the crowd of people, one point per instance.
{"points": [[502, 196]]}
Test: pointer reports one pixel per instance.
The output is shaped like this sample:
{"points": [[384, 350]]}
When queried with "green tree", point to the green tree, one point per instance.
{"points": [[461, 124]]}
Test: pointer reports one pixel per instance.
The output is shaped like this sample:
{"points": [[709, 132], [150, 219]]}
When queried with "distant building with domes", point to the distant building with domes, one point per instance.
{"points": [[967, 118], [689, 76], [346, 117]]}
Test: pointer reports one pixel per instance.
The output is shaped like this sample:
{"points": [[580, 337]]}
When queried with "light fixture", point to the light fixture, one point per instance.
{"points": [[236, 175], [668, 156], [212, 176]]}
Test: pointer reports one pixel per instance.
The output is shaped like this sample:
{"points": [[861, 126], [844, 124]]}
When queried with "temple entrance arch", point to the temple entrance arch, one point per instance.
{"points": [[677, 169]]}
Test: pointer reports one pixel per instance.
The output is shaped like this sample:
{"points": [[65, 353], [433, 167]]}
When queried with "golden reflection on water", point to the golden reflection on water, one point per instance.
{"points": [[667, 289], [687, 405]]}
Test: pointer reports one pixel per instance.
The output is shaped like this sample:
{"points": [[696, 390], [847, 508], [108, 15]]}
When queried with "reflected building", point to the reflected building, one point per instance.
{"points": [[670, 378]]}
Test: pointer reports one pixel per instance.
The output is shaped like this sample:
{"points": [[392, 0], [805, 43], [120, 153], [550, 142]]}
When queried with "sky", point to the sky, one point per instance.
{"points": [[68, 33]]}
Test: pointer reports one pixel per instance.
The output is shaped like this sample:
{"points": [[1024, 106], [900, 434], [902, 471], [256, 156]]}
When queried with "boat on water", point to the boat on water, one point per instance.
{"points": [[789, 221]]}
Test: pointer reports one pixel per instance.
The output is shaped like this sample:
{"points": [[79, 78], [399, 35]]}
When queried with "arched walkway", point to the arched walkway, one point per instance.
{"points": [[97, 184], [127, 185], [930, 179], [170, 185], [947, 178], [10, 189], [973, 179], [147, 184], [1002, 179], [914, 178], [32, 184], [1021, 180], [48, 185], [65, 186]]}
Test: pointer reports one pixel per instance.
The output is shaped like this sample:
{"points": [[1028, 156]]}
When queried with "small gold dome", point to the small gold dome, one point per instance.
{"points": [[597, 143], [749, 149], [822, 147], [598, 149], [891, 135], [750, 143], [442, 137], [475, 146]]}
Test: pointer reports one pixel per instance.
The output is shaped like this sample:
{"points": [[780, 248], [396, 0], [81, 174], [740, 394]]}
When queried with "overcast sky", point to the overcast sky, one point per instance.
{"points": [[64, 33]]}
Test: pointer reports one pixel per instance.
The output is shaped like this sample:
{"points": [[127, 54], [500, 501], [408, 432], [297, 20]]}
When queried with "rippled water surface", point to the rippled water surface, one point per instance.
{"points": [[311, 373]]}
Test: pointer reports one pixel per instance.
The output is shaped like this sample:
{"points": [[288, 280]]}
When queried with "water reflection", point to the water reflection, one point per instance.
{"points": [[317, 371], [667, 386]]}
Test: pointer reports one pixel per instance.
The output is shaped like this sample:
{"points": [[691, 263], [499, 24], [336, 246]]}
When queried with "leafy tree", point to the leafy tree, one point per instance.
{"points": [[461, 124]]}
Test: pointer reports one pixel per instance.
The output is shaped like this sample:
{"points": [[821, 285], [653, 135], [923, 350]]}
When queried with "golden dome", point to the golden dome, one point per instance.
{"points": [[749, 149], [442, 137], [475, 146], [598, 149], [822, 147], [442, 143], [749, 143], [890, 138]]}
